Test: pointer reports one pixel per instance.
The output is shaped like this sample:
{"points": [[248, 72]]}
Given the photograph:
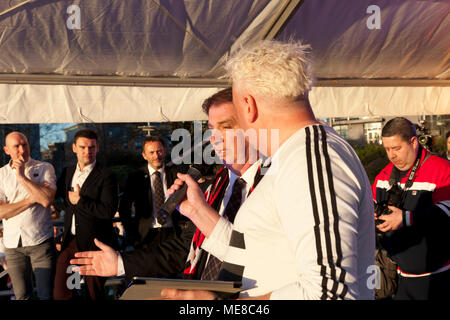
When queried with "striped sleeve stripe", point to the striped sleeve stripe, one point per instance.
{"points": [[444, 206], [323, 190], [314, 208], [334, 211]]}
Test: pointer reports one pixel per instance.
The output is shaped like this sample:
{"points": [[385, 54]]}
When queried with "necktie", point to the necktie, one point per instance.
{"points": [[158, 190], [213, 266], [214, 197]]}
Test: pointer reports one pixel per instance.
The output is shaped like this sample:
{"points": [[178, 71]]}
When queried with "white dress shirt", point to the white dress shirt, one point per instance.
{"points": [[219, 240], [33, 225], [155, 223], [79, 177]]}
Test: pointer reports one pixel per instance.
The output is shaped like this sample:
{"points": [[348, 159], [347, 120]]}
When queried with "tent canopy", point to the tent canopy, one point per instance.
{"points": [[149, 60]]}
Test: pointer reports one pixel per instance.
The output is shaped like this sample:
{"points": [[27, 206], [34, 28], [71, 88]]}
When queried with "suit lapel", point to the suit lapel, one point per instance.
{"points": [[69, 177], [147, 185], [170, 176], [92, 177]]}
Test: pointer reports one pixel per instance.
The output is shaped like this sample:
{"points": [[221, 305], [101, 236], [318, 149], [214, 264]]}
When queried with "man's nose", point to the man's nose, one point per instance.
{"points": [[217, 138]]}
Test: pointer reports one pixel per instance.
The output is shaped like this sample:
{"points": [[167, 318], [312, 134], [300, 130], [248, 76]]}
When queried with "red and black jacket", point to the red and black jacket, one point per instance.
{"points": [[422, 245]]}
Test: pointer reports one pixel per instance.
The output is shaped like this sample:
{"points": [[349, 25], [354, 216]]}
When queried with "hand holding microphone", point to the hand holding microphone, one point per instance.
{"points": [[184, 188]]}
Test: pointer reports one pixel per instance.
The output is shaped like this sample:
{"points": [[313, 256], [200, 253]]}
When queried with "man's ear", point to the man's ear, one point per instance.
{"points": [[6, 150], [74, 148], [251, 108], [414, 142]]}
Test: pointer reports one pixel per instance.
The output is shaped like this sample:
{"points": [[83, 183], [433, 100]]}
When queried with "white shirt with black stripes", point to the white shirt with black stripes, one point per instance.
{"points": [[308, 227]]}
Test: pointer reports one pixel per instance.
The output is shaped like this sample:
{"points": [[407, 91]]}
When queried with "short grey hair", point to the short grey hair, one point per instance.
{"points": [[273, 69]]}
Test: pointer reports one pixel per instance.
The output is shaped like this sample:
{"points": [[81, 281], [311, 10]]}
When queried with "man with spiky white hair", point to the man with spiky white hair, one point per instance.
{"points": [[307, 230]]}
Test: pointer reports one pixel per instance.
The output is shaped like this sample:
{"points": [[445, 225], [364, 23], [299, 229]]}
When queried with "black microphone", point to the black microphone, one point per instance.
{"points": [[196, 171]]}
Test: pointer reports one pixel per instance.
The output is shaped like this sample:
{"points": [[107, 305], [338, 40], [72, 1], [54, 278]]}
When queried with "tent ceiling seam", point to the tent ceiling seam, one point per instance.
{"points": [[287, 11], [15, 7], [199, 82]]}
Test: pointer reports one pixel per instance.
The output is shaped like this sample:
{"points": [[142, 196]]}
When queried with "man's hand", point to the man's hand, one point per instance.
{"points": [[195, 206], [177, 294], [19, 166], [74, 196], [195, 198], [97, 263], [3, 262], [393, 221]]}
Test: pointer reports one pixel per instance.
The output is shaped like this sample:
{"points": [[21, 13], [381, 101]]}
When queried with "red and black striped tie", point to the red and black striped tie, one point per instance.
{"points": [[212, 268]]}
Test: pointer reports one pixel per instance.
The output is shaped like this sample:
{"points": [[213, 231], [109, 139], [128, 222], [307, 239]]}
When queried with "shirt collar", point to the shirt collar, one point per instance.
{"points": [[87, 168], [152, 171], [248, 175]]}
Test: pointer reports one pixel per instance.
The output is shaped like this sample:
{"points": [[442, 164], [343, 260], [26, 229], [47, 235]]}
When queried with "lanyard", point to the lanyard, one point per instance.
{"points": [[395, 172]]}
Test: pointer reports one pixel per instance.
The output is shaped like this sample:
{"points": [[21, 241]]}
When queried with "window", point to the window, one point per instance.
{"points": [[372, 132], [342, 130]]}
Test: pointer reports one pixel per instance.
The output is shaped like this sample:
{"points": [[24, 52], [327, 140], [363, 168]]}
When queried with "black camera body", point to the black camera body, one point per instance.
{"points": [[423, 135], [395, 198]]}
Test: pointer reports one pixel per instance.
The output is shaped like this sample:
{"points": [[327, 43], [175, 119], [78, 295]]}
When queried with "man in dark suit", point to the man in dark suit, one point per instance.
{"points": [[145, 189], [170, 258], [90, 195]]}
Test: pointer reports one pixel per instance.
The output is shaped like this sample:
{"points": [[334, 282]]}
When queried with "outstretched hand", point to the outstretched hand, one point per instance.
{"points": [[102, 263]]}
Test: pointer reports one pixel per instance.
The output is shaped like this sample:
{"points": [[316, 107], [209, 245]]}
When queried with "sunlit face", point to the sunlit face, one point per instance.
{"points": [[401, 153], [221, 118], [17, 147], [85, 150], [154, 152]]}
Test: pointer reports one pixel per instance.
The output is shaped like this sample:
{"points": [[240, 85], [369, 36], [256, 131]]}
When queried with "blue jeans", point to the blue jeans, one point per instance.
{"points": [[40, 260]]}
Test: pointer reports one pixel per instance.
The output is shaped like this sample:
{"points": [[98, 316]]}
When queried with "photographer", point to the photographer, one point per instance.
{"points": [[413, 213]]}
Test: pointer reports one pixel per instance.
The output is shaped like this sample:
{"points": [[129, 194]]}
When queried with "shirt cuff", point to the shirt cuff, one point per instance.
{"points": [[407, 218], [120, 266], [219, 240]]}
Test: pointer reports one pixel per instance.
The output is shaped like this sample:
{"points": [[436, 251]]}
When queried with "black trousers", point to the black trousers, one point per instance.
{"points": [[61, 290]]}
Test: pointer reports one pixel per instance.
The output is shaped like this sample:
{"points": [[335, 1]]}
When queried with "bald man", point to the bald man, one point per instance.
{"points": [[27, 188]]}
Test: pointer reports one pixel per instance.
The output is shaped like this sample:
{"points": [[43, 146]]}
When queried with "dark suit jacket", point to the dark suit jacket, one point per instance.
{"points": [[95, 209], [168, 259], [163, 260], [138, 191]]}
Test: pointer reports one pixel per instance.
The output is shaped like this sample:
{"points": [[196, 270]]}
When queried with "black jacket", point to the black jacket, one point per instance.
{"points": [[138, 191], [95, 209], [168, 259]]}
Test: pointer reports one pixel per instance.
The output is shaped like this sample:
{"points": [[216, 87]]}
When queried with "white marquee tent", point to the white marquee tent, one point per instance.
{"points": [[156, 60]]}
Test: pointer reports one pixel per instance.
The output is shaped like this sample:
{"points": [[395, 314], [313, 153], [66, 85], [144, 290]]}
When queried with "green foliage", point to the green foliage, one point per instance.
{"points": [[440, 145], [122, 172], [373, 158], [122, 163], [370, 152]]}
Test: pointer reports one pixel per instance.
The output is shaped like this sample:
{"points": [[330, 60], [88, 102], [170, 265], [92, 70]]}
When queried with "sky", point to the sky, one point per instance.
{"points": [[52, 132]]}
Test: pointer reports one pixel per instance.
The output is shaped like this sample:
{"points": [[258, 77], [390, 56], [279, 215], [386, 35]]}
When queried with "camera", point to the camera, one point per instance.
{"points": [[395, 198], [423, 135]]}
